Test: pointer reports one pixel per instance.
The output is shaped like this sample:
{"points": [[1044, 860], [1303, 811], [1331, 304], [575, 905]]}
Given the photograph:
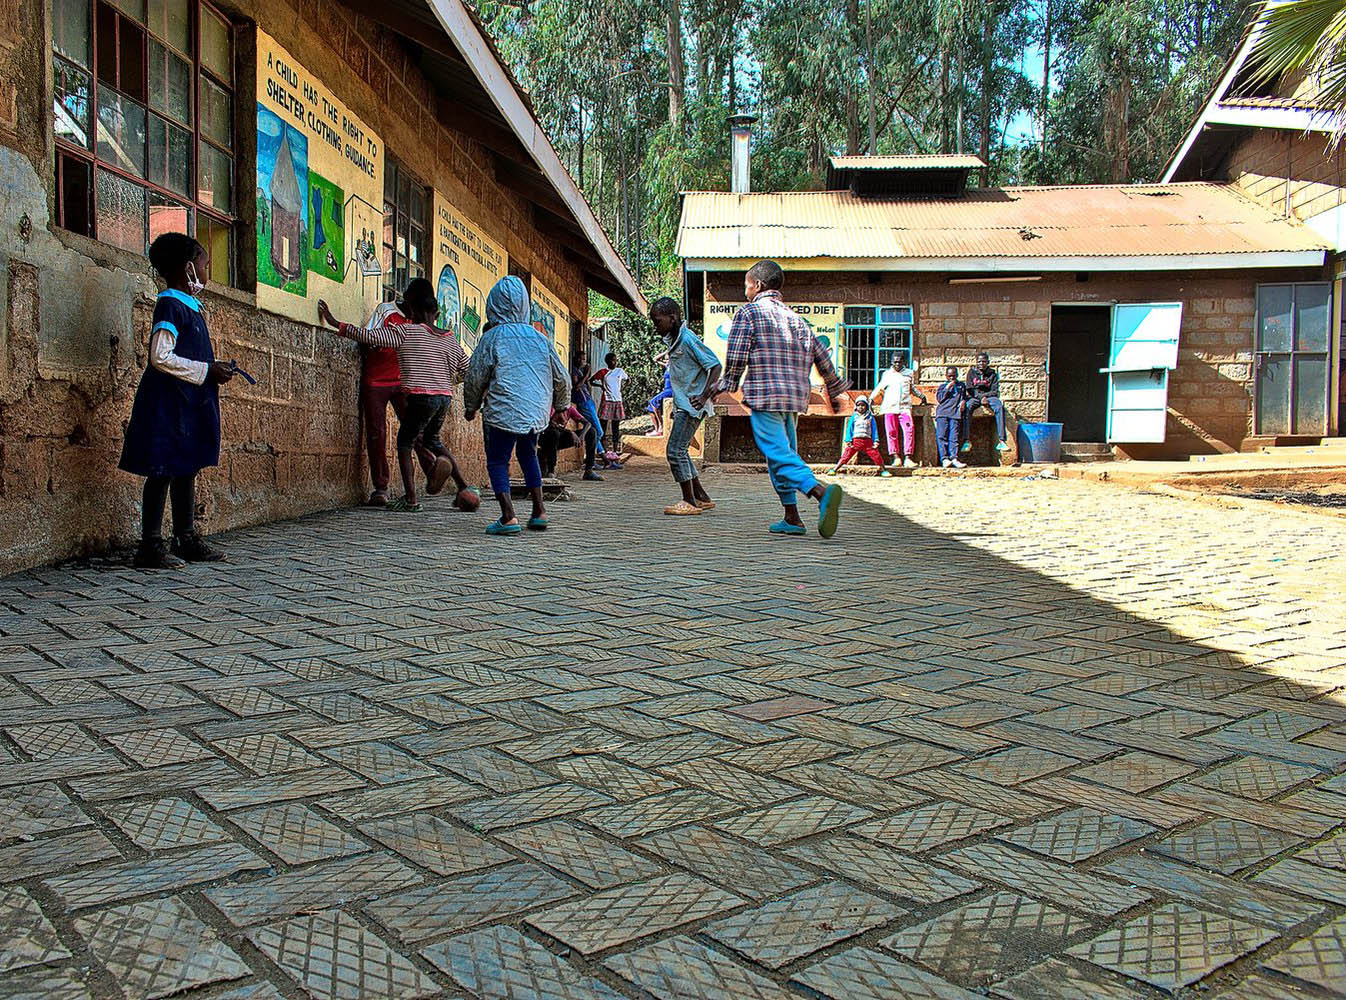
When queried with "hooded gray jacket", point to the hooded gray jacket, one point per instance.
{"points": [[514, 377]]}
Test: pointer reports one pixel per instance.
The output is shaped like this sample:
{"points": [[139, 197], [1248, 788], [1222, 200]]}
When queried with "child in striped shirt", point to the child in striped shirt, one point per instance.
{"points": [[430, 360]]}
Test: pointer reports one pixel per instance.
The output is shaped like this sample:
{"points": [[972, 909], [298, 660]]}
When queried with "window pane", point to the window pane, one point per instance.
{"points": [[1273, 317], [168, 20], [217, 47], [131, 73], [70, 30], [215, 236], [121, 212], [170, 156], [136, 8], [121, 132], [1313, 316], [217, 114], [170, 83], [70, 102], [858, 315], [417, 238], [215, 181], [76, 194], [106, 54], [168, 216], [418, 206], [895, 314], [389, 186], [403, 192]]}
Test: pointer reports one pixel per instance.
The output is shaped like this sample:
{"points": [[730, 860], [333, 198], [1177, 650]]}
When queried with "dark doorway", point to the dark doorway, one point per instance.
{"points": [[1077, 391]]}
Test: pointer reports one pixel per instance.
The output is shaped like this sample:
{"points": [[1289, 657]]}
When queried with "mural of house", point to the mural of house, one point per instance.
{"points": [[287, 224]]}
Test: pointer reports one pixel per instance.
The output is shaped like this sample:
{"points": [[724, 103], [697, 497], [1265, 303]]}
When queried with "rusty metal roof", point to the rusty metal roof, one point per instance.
{"points": [[959, 161], [1109, 221]]}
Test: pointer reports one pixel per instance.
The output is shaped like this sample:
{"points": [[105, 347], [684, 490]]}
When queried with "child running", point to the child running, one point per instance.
{"points": [[174, 431], [779, 350], [949, 399], [610, 408], [656, 406], [430, 361], [862, 431], [693, 371], [515, 380]]}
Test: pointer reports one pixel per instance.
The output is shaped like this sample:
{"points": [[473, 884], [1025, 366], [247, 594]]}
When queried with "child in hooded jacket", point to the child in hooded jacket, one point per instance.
{"points": [[862, 431], [515, 380]]}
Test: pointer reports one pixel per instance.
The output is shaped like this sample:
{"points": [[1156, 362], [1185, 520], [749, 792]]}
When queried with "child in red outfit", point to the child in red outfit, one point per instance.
{"points": [[862, 430]]}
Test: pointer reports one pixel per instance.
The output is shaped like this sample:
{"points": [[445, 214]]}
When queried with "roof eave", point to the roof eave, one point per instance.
{"points": [[463, 30], [1256, 259]]}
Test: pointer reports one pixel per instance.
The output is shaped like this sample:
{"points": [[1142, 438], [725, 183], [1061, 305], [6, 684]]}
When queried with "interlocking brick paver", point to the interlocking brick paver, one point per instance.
{"points": [[785, 929], [1093, 725], [158, 947], [1172, 946]]}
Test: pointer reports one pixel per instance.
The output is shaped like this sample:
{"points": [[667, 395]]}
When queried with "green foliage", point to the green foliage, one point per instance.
{"points": [[1307, 37]]}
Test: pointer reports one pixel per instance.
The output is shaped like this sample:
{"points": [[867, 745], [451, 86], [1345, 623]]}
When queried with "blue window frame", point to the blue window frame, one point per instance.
{"points": [[875, 335]]}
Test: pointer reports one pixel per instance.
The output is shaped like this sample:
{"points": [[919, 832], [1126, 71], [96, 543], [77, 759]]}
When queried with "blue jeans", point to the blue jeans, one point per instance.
{"points": [[657, 403], [679, 439], [947, 433], [778, 441], [499, 446], [971, 407]]}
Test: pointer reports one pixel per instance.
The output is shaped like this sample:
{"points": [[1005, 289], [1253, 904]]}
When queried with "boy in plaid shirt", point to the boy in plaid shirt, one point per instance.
{"points": [[779, 350]]}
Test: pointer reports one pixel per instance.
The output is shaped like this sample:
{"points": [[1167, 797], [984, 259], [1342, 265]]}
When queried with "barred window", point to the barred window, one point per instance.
{"points": [[143, 110], [406, 207]]}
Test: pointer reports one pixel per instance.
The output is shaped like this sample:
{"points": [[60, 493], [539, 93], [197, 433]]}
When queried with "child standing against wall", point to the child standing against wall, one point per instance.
{"points": [[610, 408], [693, 373], [893, 396], [430, 361], [862, 431], [949, 399], [515, 380], [174, 431]]}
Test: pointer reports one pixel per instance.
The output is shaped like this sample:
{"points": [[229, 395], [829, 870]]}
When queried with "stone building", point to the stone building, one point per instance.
{"points": [[398, 144], [1125, 313], [1271, 139]]}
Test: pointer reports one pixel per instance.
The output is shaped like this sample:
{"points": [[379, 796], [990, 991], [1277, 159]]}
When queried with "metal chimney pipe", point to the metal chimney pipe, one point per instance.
{"points": [[740, 160]]}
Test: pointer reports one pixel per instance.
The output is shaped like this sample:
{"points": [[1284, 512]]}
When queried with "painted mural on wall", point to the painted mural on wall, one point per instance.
{"points": [[824, 318], [552, 318], [319, 195], [465, 264]]}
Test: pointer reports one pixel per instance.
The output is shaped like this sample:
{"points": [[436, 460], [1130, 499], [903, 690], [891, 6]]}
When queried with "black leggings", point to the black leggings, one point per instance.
{"points": [[615, 434], [157, 490]]}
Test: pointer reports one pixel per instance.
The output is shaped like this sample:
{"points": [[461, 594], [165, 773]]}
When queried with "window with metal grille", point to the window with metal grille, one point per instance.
{"points": [[406, 205], [143, 111], [875, 335]]}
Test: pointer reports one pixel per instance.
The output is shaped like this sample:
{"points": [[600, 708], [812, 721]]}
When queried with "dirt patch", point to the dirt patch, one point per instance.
{"points": [[1321, 489]]}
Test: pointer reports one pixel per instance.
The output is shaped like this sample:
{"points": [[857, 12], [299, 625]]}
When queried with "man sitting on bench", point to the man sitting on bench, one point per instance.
{"points": [[983, 389]]}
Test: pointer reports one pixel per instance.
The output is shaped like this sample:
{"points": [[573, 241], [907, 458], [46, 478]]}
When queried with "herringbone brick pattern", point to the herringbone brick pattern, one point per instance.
{"points": [[998, 738]]}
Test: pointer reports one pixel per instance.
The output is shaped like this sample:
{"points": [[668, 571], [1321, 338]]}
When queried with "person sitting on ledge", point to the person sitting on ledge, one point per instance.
{"points": [[983, 389]]}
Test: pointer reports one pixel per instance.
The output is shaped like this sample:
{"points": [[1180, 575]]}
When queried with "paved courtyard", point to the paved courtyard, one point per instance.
{"points": [[1020, 739]]}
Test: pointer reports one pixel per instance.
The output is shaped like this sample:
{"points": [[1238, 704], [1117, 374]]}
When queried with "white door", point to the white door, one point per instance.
{"points": [[1144, 350]]}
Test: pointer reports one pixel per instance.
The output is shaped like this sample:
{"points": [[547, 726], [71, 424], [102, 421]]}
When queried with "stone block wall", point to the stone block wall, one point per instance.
{"points": [[1210, 402], [74, 319]]}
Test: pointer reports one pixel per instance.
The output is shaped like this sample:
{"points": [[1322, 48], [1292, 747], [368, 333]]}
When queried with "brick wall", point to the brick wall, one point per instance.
{"points": [[1290, 172], [1210, 394], [75, 318]]}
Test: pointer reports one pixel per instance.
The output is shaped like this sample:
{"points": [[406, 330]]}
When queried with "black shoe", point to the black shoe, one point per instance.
{"points": [[193, 548], [153, 554], [591, 476]]}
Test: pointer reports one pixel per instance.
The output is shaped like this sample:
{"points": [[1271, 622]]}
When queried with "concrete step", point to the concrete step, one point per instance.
{"points": [[1086, 451]]}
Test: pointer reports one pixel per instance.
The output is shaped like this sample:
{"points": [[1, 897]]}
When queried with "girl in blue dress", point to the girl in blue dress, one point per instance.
{"points": [[174, 431]]}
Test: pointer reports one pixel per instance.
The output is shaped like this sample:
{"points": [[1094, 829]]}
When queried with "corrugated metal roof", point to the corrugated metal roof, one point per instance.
{"points": [[959, 161], [1151, 220]]}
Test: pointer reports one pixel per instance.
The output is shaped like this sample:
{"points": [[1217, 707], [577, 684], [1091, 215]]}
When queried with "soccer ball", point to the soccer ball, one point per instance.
{"points": [[467, 500]]}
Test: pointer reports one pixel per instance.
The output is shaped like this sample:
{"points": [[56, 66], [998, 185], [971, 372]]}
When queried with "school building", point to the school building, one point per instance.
{"points": [[328, 151], [1136, 316]]}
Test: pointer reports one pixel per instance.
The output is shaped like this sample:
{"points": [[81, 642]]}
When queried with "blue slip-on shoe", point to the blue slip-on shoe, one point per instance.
{"points": [[786, 528], [1001, 446], [537, 524], [496, 528], [829, 509], [967, 446]]}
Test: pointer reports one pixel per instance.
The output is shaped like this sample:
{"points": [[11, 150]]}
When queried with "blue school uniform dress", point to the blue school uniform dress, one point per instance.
{"points": [[175, 426]]}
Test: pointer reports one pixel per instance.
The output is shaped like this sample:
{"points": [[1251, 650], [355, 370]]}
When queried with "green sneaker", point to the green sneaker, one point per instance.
{"points": [[829, 510]]}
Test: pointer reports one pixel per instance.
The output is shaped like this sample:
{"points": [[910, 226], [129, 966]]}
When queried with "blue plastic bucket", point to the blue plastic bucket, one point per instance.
{"points": [[1039, 442]]}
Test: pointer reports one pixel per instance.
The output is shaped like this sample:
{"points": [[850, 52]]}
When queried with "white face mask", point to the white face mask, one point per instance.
{"points": [[194, 284]]}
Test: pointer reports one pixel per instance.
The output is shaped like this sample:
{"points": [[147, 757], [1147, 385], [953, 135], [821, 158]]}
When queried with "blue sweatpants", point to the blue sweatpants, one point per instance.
{"points": [[499, 446], [947, 432], [777, 440]]}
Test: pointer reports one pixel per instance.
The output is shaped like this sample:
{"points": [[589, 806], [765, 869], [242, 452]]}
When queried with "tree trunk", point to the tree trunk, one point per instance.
{"points": [[676, 73], [871, 85], [1046, 75], [987, 69], [580, 102], [944, 99]]}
